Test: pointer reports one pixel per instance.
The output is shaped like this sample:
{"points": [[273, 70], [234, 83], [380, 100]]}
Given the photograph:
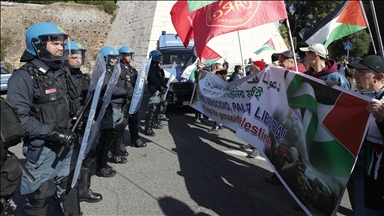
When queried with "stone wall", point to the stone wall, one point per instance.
{"points": [[84, 23]]}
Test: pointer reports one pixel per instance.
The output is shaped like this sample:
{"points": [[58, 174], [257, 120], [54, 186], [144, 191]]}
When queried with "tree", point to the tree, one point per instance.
{"points": [[302, 14]]}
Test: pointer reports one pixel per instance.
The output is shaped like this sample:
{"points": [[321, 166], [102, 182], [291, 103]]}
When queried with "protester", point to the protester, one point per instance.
{"points": [[345, 70], [219, 70], [237, 74], [366, 184], [76, 56], [257, 66], [275, 59], [286, 60], [126, 56], [44, 96], [250, 61], [193, 78], [320, 67]]}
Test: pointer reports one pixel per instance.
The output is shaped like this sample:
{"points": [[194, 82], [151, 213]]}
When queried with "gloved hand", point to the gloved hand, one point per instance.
{"points": [[163, 90], [62, 137]]}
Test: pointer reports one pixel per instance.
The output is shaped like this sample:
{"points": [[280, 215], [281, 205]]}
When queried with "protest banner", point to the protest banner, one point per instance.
{"points": [[299, 125]]}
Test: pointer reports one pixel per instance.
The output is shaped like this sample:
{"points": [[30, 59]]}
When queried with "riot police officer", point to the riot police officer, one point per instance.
{"points": [[112, 126], [156, 89], [44, 95], [126, 55], [76, 56]]}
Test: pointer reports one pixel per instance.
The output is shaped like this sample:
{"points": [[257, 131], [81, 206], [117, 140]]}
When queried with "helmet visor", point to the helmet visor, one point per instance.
{"points": [[51, 47], [76, 58]]}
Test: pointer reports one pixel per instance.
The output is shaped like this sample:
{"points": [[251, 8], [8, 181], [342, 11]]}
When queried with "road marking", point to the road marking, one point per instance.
{"points": [[243, 153]]}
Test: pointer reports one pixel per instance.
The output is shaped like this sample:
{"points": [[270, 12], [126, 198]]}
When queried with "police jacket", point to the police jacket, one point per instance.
{"points": [[44, 98], [130, 72], [82, 82], [120, 90], [155, 77]]}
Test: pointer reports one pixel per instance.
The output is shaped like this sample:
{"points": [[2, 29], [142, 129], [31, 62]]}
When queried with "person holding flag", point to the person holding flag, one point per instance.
{"points": [[366, 184]]}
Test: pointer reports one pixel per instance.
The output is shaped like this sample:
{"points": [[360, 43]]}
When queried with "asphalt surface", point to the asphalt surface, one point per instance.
{"points": [[186, 171]]}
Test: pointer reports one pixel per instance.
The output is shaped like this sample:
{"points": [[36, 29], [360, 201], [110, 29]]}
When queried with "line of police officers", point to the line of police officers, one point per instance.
{"points": [[49, 91]]}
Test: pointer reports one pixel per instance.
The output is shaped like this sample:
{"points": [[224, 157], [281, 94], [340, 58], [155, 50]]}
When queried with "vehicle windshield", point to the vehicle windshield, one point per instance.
{"points": [[179, 57]]}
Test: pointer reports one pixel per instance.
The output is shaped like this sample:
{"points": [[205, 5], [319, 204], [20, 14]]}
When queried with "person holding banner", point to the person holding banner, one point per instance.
{"points": [[320, 67], [219, 70], [366, 184], [126, 55], [45, 98], [286, 60], [156, 90], [76, 56]]}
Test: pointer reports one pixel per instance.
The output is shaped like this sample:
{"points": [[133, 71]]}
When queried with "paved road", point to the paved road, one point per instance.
{"points": [[187, 171]]}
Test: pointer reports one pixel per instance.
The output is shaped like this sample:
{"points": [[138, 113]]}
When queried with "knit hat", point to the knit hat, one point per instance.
{"points": [[259, 64]]}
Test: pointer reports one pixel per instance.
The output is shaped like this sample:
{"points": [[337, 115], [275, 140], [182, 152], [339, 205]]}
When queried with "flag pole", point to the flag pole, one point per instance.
{"points": [[377, 28], [292, 45], [369, 29], [241, 52]]}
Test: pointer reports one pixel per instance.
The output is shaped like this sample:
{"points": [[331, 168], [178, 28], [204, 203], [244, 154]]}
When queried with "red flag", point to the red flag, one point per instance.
{"points": [[208, 53], [181, 21], [224, 17]]}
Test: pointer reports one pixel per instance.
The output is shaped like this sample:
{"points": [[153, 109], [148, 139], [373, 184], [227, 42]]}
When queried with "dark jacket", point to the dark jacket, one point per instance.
{"points": [[155, 76], [120, 90]]}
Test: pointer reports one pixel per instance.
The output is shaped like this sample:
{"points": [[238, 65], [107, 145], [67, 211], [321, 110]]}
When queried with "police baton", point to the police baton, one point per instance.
{"points": [[25, 171], [79, 119]]}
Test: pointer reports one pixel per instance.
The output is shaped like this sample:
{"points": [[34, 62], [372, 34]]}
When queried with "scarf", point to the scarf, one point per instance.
{"points": [[55, 65]]}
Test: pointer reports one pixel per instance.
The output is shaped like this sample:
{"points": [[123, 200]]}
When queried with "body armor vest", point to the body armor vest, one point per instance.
{"points": [[55, 104]]}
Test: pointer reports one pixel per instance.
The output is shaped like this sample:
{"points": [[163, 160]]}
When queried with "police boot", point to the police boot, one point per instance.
{"points": [[115, 148], [69, 202], [156, 122], [149, 118], [162, 115], [86, 194], [139, 143], [106, 139], [37, 201]]}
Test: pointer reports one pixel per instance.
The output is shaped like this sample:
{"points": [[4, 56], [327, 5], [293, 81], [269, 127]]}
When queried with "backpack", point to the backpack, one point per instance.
{"points": [[11, 130]]}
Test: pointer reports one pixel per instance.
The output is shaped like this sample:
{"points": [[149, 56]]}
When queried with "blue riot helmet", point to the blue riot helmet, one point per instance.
{"points": [[109, 53], [126, 50], [156, 56], [75, 54], [46, 40]]}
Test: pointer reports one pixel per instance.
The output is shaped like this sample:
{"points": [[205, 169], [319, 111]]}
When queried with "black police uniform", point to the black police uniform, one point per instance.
{"points": [[112, 125], [82, 82], [133, 119], [156, 88], [44, 95]]}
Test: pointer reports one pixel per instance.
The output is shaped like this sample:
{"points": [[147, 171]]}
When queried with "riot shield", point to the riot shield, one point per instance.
{"points": [[98, 70], [140, 84]]}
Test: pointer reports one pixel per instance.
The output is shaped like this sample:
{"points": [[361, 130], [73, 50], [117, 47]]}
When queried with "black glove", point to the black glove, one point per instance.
{"points": [[163, 90], [62, 137]]}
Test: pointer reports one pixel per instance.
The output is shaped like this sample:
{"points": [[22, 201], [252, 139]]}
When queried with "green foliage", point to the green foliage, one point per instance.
{"points": [[5, 42], [361, 42], [110, 7]]}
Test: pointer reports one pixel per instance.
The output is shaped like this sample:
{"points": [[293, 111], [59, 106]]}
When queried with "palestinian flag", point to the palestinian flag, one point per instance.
{"points": [[331, 150], [267, 46], [346, 19], [194, 5]]}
